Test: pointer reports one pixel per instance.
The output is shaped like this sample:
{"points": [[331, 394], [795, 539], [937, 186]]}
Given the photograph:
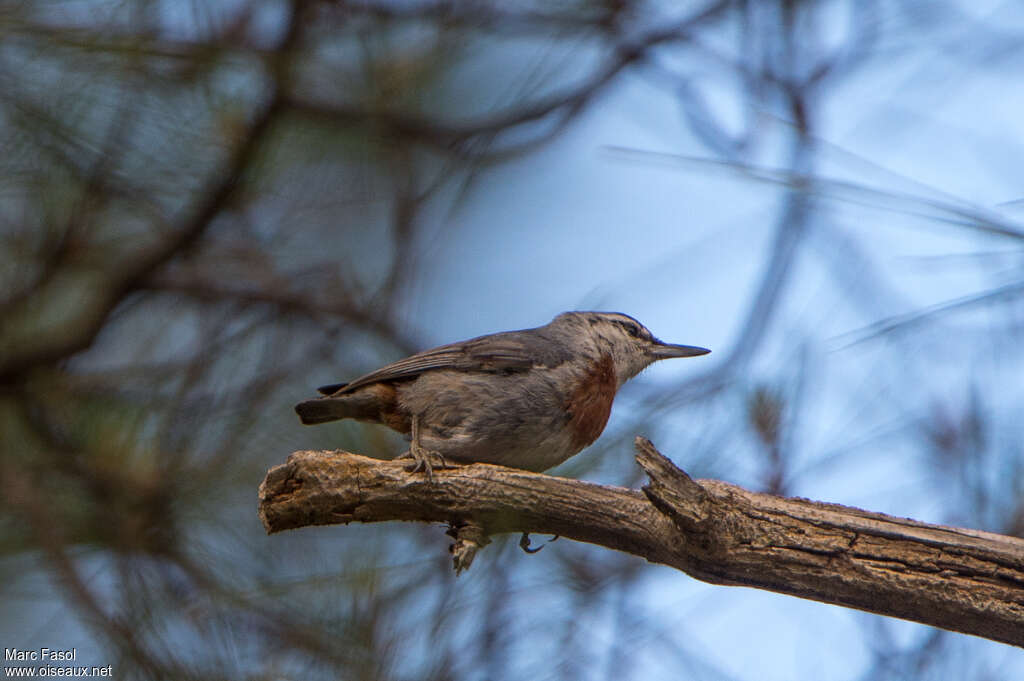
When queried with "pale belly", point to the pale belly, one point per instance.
{"points": [[512, 420]]}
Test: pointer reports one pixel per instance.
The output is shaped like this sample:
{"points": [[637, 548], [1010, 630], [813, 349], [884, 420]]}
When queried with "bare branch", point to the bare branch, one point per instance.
{"points": [[455, 136], [957, 579], [26, 342]]}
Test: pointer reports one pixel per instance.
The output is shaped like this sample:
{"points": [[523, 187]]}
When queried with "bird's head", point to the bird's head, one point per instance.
{"points": [[630, 344]]}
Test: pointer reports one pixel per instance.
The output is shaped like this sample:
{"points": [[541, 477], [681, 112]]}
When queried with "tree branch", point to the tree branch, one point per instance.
{"points": [[457, 135], [89, 293], [957, 579]]}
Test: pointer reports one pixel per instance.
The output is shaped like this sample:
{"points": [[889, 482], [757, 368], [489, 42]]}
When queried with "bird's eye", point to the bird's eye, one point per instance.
{"points": [[633, 330]]}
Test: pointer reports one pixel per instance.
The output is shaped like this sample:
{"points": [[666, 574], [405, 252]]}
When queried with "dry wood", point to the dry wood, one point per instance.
{"points": [[957, 579]]}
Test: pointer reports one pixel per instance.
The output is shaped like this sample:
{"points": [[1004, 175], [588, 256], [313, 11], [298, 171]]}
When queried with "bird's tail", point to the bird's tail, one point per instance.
{"points": [[322, 410], [370, 403]]}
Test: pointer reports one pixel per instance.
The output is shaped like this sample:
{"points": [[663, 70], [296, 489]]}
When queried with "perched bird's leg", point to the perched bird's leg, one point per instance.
{"points": [[419, 455]]}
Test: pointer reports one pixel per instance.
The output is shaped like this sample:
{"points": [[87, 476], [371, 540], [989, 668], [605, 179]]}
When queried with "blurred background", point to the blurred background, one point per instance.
{"points": [[209, 208]]}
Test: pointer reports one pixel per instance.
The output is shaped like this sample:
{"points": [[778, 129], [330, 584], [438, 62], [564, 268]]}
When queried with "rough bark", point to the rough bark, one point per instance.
{"points": [[957, 579]]}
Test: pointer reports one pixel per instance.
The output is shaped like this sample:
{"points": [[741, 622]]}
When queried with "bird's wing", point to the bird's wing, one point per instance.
{"points": [[500, 352]]}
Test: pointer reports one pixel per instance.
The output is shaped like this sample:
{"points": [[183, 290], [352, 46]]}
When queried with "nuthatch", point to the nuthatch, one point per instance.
{"points": [[527, 399]]}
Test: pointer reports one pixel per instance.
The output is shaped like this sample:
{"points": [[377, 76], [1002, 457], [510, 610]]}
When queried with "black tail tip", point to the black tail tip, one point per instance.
{"points": [[312, 412]]}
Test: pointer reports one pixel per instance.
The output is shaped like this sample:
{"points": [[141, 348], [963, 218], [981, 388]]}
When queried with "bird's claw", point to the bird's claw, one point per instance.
{"points": [[421, 456], [421, 461], [524, 543]]}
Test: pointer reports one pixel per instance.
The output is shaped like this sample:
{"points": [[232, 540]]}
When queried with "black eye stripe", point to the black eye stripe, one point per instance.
{"points": [[631, 328]]}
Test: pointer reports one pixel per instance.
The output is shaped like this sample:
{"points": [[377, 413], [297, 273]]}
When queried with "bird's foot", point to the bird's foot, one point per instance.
{"points": [[424, 460], [420, 455]]}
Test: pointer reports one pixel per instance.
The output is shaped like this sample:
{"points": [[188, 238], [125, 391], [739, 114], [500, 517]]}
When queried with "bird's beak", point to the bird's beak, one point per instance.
{"points": [[668, 351]]}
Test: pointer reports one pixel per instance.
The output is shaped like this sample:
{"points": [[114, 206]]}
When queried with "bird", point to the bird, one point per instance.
{"points": [[527, 399]]}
